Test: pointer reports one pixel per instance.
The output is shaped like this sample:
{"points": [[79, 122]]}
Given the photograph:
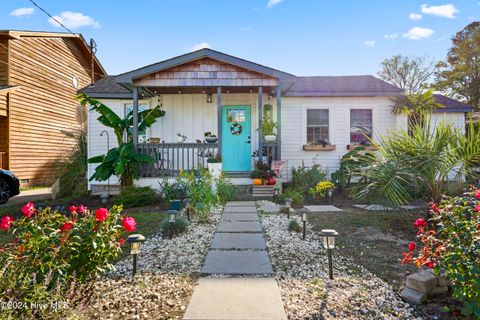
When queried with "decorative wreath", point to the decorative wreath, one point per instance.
{"points": [[236, 129]]}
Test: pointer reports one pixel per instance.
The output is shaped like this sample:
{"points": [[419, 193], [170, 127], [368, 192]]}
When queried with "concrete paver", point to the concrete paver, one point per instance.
{"points": [[239, 226], [237, 262], [240, 217], [238, 241]]}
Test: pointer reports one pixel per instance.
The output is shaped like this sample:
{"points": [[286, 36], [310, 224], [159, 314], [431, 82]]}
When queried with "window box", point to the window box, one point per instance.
{"points": [[319, 147], [352, 146]]}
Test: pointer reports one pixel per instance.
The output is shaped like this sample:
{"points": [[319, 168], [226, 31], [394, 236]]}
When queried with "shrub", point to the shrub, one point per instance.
{"points": [[136, 197], [225, 190], [199, 189], [295, 195], [450, 244], [304, 179], [73, 176], [52, 249], [294, 226], [180, 226], [173, 190]]}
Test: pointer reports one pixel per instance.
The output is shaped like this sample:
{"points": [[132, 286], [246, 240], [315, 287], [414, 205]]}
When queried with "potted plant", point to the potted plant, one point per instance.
{"points": [[210, 138], [181, 138], [268, 127], [321, 189], [214, 165]]}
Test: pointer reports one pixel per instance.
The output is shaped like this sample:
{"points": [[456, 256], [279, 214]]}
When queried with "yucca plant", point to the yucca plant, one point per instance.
{"points": [[421, 162], [123, 160]]}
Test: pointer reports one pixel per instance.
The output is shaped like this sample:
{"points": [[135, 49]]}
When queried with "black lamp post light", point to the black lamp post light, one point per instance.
{"points": [[172, 219], [329, 244], [135, 241], [304, 222], [288, 204], [186, 205]]}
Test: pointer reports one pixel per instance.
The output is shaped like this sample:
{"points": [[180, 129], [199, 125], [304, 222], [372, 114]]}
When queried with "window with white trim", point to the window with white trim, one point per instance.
{"points": [[361, 126], [317, 126]]}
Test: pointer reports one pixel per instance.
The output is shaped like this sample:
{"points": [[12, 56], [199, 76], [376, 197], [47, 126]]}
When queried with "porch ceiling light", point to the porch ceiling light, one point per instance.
{"points": [[329, 244], [135, 241]]}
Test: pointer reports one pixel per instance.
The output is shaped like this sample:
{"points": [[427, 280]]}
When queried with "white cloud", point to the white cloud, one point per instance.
{"points": [[370, 43], [74, 20], [271, 3], [446, 10], [418, 33], [415, 16], [202, 45], [21, 12], [391, 36]]}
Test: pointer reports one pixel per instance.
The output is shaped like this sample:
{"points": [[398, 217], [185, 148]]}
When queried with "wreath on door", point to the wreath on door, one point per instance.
{"points": [[236, 129]]}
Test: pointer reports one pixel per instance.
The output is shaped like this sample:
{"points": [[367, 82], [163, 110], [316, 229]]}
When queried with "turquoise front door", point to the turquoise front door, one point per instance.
{"points": [[236, 139]]}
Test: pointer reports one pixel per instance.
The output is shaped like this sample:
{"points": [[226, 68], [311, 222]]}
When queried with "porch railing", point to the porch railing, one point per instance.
{"points": [[171, 158]]}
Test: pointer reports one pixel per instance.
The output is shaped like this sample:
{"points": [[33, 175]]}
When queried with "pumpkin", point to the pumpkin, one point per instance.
{"points": [[257, 182], [271, 181]]}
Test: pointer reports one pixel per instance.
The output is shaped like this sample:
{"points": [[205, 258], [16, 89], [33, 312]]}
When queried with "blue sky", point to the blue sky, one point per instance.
{"points": [[303, 37]]}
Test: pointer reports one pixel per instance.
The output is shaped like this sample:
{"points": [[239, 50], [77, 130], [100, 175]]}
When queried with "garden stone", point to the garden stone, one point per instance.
{"points": [[239, 226], [240, 217], [237, 262], [438, 290], [238, 241], [414, 296], [443, 281], [421, 281]]}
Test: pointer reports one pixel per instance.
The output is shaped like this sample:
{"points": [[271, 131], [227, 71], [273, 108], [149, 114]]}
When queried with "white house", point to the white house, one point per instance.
{"points": [[318, 118]]}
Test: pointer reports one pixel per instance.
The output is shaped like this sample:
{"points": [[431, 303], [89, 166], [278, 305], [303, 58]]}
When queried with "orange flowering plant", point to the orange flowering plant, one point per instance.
{"points": [[52, 248], [450, 244]]}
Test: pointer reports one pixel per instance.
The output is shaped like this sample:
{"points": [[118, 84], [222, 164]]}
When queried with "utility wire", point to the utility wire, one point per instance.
{"points": [[52, 17]]}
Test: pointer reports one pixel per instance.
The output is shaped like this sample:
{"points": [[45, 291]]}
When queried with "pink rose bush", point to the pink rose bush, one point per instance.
{"points": [[449, 243], [53, 248]]}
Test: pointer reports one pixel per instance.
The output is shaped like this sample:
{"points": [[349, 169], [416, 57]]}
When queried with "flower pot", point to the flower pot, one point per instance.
{"points": [[175, 205], [270, 138], [215, 169], [211, 139], [257, 182]]}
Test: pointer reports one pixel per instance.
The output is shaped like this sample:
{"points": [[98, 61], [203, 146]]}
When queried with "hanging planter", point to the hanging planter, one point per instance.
{"points": [[270, 138]]}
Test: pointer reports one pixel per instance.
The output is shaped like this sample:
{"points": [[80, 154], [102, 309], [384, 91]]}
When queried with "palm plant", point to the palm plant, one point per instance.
{"points": [[421, 162], [123, 160], [415, 106]]}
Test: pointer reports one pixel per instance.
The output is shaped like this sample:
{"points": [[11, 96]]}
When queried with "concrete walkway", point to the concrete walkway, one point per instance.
{"points": [[29, 196], [237, 249]]}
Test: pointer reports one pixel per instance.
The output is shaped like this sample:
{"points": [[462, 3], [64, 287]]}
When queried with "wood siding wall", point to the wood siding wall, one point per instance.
{"points": [[3, 61], [206, 72], [3, 105], [44, 108]]}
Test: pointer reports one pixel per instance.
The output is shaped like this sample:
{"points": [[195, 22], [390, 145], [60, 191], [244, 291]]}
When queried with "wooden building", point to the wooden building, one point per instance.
{"points": [[40, 73]]}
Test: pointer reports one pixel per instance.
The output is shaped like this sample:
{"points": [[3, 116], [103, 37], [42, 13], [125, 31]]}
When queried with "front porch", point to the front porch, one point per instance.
{"points": [[206, 91]]}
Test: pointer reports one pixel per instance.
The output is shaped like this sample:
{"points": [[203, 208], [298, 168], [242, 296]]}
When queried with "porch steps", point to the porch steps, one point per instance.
{"points": [[236, 174]]}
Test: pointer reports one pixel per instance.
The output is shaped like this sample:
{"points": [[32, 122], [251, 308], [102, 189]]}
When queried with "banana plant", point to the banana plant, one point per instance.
{"points": [[123, 160]]}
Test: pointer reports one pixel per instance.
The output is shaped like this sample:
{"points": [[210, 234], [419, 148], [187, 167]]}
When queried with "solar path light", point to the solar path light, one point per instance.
{"points": [[329, 244], [135, 241]]}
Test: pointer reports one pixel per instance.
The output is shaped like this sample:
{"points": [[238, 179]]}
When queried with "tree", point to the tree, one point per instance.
{"points": [[459, 75], [412, 74], [123, 160], [415, 106]]}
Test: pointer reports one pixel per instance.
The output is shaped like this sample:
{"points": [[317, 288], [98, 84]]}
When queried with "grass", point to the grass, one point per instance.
{"points": [[374, 239]]}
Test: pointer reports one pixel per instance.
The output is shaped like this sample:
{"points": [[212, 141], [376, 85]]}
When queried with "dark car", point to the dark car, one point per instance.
{"points": [[9, 185]]}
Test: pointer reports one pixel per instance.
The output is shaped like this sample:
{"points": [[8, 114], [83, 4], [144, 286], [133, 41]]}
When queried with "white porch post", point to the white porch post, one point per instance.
{"points": [[278, 92], [219, 119], [260, 120], [135, 117]]}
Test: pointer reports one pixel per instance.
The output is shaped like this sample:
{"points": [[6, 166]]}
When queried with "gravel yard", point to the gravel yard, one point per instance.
{"points": [[165, 280], [302, 274]]}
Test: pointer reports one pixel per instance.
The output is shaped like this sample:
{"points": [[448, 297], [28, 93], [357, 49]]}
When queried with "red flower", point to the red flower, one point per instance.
{"points": [[6, 223], [420, 222], [477, 208], [28, 210], [72, 209], [81, 208], [101, 214], [407, 257], [412, 246], [429, 264], [67, 226], [121, 241], [477, 194], [434, 207], [129, 224]]}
